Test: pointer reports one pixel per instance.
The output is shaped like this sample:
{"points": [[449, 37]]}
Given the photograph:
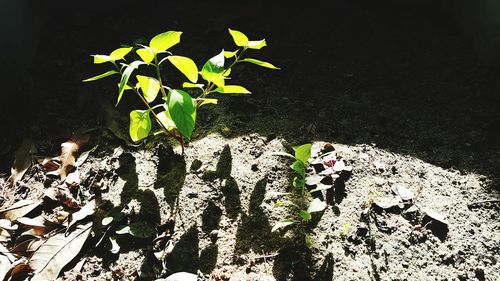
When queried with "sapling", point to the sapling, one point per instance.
{"points": [[300, 199], [175, 113]]}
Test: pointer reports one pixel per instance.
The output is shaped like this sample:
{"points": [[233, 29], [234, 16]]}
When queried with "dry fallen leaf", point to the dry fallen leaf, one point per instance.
{"points": [[22, 162], [63, 195], [85, 211], [69, 151], [56, 252], [19, 209]]}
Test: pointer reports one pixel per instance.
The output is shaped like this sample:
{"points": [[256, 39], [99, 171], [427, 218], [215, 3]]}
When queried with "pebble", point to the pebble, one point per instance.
{"points": [[254, 167]]}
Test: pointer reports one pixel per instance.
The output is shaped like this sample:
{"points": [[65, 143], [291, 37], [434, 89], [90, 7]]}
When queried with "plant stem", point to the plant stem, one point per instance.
{"points": [[158, 74]]}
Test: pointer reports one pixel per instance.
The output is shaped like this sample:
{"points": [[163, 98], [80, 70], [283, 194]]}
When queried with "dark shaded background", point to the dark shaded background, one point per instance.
{"points": [[414, 77]]}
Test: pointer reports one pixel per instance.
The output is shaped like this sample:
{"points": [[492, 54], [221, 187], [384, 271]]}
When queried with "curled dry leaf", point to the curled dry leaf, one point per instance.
{"points": [[22, 162], [69, 151], [56, 252]]}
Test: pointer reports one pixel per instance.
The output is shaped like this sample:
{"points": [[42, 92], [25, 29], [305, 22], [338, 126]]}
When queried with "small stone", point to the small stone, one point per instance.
{"points": [[254, 167], [196, 165], [403, 192], [192, 195], [328, 147]]}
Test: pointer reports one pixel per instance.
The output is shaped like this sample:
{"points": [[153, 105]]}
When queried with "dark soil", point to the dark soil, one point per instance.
{"points": [[396, 87]]}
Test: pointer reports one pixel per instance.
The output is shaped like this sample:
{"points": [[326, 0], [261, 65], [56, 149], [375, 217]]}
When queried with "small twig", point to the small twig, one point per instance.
{"points": [[264, 257]]}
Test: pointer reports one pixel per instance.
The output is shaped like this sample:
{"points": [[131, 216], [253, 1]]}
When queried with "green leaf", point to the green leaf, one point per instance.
{"points": [[232, 89], [166, 120], [207, 101], [260, 63], [282, 224], [146, 55], [149, 86], [240, 39], [316, 206], [303, 152], [228, 54], [191, 85], [164, 41], [183, 112], [308, 240], [299, 167], [298, 182], [278, 204], [141, 230], [213, 69], [305, 215], [125, 76], [186, 66], [120, 53], [106, 74], [140, 124], [257, 45]]}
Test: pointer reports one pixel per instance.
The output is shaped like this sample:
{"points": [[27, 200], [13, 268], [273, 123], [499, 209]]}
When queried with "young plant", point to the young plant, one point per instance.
{"points": [[300, 198], [175, 113]]}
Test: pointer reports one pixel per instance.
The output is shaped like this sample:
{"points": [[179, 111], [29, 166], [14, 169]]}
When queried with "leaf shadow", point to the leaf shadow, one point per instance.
{"points": [[171, 173], [254, 231]]}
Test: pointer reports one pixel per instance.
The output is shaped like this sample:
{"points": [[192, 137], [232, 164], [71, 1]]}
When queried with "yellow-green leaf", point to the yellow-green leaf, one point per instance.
{"points": [[140, 124], [259, 44], [232, 89], [164, 41], [226, 72], [149, 86], [166, 120], [191, 85], [186, 66], [239, 38], [146, 55], [106, 74], [260, 63], [228, 54], [98, 59], [120, 53], [207, 101]]}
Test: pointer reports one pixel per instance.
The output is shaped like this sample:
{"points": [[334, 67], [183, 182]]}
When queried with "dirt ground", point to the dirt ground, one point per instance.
{"points": [[396, 89]]}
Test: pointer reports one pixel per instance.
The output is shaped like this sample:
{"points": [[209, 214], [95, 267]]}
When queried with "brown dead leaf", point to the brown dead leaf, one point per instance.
{"points": [[51, 164], [19, 209], [56, 252], [84, 212], [22, 162], [20, 270], [69, 151], [63, 195]]}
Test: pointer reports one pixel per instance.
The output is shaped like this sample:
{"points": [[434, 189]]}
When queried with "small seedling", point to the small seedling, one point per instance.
{"points": [[345, 231], [300, 198], [176, 111]]}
